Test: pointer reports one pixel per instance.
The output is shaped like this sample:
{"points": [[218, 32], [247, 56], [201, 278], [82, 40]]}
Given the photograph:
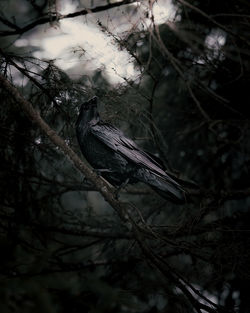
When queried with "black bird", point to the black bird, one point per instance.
{"points": [[118, 159]]}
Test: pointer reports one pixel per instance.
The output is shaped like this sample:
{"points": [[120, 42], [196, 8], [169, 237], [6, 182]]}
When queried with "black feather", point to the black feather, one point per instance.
{"points": [[106, 148]]}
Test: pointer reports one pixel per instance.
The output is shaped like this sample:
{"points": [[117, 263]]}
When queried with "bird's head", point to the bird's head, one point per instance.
{"points": [[89, 105], [88, 113]]}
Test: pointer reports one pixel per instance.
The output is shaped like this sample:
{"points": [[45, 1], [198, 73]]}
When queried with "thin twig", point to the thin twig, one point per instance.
{"points": [[57, 17]]}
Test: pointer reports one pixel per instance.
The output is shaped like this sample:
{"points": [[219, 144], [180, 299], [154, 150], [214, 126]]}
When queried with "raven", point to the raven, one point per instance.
{"points": [[118, 159]]}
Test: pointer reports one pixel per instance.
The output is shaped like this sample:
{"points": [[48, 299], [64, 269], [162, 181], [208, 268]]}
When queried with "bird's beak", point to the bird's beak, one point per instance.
{"points": [[93, 101]]}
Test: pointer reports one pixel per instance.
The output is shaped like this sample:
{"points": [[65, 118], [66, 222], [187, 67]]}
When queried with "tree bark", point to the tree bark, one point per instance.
{"points": [[101, 185]]}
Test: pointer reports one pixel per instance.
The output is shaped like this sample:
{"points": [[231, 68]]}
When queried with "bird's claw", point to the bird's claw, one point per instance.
{"points": [[120, 187], [85, 180], [99, 171]]}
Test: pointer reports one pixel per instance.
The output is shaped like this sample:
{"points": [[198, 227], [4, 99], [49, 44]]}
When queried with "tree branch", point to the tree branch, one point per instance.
{"points": [[65, 268], [25, 73], [213, 21], [69, 231], [57, 17], [101, 185]]}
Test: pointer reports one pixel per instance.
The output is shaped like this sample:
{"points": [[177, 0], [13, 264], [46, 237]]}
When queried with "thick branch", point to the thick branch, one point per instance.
{"points": [[105, 190], [102, 186], [57, 17]]}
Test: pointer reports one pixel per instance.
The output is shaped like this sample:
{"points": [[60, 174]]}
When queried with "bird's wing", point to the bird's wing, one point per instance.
{"points": [[118, 142]]}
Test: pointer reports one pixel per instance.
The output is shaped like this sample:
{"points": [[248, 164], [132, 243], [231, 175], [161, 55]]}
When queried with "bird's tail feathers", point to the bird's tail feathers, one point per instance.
{"points": [[163, 185]]}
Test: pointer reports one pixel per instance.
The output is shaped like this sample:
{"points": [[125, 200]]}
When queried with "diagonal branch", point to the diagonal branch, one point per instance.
{"points": [[123, 209], [25, 73], [9, 24], [102, 186], [57, 17]]}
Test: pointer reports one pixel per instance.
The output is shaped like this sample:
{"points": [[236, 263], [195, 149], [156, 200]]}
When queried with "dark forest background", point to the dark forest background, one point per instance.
{"points": [[63, 247]]}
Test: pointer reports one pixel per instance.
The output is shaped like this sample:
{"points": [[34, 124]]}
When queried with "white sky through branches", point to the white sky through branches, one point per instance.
{"points": [[79, 47]]}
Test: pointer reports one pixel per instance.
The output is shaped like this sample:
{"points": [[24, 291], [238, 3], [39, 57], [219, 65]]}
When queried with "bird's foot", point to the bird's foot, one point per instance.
{"points": [[99, 171], [85, 181], [120, 187]]}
